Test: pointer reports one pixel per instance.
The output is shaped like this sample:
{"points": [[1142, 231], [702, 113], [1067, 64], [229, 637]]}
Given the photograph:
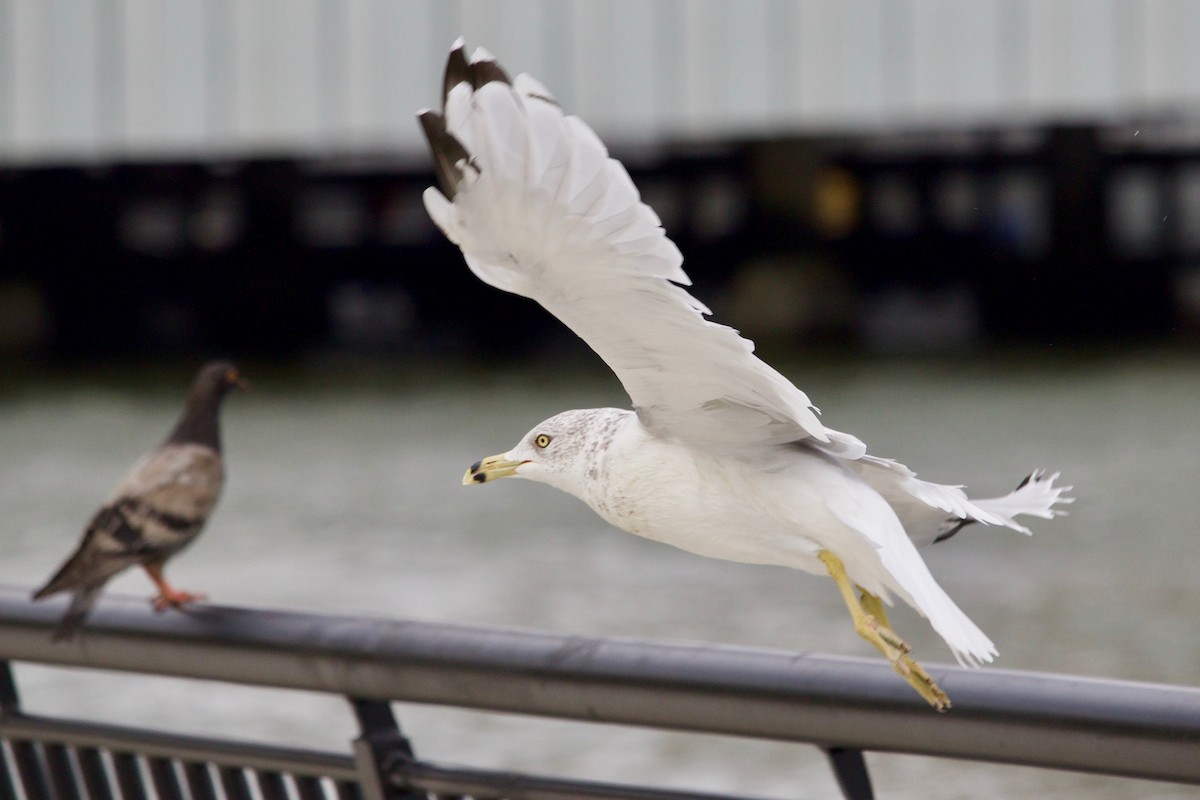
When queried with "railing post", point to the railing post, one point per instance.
{"points": [[380, 748], [850, 769], [10, 706], [10, 702], [27, 767]]}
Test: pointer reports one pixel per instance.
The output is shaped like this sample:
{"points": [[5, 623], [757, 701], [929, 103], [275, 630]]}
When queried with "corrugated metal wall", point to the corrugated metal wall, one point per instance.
{"points": [[130, 79]]}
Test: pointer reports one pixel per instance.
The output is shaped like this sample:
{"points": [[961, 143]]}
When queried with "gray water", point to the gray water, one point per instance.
{"points": [[344, 496]]}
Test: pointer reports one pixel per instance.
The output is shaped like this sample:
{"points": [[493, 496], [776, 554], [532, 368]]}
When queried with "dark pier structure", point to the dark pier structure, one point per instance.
{"points": [[911, 241]]}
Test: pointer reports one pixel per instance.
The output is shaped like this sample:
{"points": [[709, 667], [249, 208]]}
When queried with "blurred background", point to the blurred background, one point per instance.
{"points": [[924, 175], [969, 231]]}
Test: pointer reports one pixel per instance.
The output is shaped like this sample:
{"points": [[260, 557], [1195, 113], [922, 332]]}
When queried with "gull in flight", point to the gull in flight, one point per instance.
{"points": [[721, 455]]}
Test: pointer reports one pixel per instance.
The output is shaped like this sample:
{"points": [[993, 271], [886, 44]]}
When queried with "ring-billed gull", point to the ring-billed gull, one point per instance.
{"points": [[721, 455], [157, 509]]}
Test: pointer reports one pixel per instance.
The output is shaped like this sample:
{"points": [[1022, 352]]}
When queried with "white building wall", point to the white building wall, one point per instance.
{"points": [[88, 80]]}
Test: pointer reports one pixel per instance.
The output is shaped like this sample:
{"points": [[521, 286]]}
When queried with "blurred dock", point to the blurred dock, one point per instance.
{"points": [[919, 177], [906, 241]]}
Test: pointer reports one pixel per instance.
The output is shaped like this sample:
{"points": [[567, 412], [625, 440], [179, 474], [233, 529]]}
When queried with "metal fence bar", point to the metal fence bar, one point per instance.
{"points": [[347, 790], [129, 776], [309, 789], [62, 776], [402, 777], [8, 771], [451, 781], [9, 704], [127, 744], [200, 781], [165, 780], [1110, 727], [235, 783], [29, 767], [95, 779], [272, 785]]}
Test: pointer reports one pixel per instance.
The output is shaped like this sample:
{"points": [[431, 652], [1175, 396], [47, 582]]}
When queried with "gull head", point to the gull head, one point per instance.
{"points": [[562, 451]]}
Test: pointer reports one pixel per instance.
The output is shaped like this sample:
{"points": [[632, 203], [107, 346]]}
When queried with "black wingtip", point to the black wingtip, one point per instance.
{"points": [[447, 152], [477, 73], [950, 533], [457, 70], [1030, 477], [487, 71]]}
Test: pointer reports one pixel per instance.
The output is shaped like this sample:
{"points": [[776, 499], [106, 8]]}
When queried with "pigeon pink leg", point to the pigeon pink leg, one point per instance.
{"points": [[168, 596]]}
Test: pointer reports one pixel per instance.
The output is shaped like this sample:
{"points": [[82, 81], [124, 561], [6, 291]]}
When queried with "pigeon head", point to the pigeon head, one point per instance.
{"points": [[198, 423], [216, 378]]}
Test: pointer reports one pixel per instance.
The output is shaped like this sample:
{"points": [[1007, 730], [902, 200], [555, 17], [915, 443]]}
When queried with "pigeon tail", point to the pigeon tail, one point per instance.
{"points": [[77, 612], [66, 578]]}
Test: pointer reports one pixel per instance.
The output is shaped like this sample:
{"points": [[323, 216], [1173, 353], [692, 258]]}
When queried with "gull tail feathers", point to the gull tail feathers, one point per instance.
{"points": [[893, 562], [1036, 496], [933, 512]]}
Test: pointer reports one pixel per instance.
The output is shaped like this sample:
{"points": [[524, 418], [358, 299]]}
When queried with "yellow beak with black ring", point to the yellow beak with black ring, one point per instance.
{"points": [[490, 469]]}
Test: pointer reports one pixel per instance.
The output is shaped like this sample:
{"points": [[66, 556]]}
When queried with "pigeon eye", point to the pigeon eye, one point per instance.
{"points": [[542, 440]]}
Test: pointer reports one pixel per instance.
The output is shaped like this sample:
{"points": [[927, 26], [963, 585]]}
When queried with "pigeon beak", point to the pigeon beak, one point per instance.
{"points": [[234, 378], [491, 468]]}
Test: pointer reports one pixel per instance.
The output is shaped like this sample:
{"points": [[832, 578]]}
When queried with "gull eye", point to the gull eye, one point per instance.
{"points": [[542, 440]]}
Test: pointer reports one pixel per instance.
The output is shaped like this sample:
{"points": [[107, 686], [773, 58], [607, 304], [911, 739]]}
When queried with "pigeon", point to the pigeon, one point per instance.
{"points": [[157, 509]]}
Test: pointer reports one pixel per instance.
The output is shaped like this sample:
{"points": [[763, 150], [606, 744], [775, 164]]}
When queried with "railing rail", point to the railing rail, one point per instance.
{"points": [[844, 705]]}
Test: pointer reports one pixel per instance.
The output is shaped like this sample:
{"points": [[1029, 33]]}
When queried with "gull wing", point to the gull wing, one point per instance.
{"points": [[539, 209]]}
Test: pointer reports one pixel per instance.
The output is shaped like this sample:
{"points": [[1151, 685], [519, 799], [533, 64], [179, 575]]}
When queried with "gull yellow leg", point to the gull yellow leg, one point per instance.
{"points": [[871, 623], [874, 608]]}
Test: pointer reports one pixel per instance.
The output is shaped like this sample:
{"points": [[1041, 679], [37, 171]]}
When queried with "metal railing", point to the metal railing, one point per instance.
{"points": [[843, 705]]}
